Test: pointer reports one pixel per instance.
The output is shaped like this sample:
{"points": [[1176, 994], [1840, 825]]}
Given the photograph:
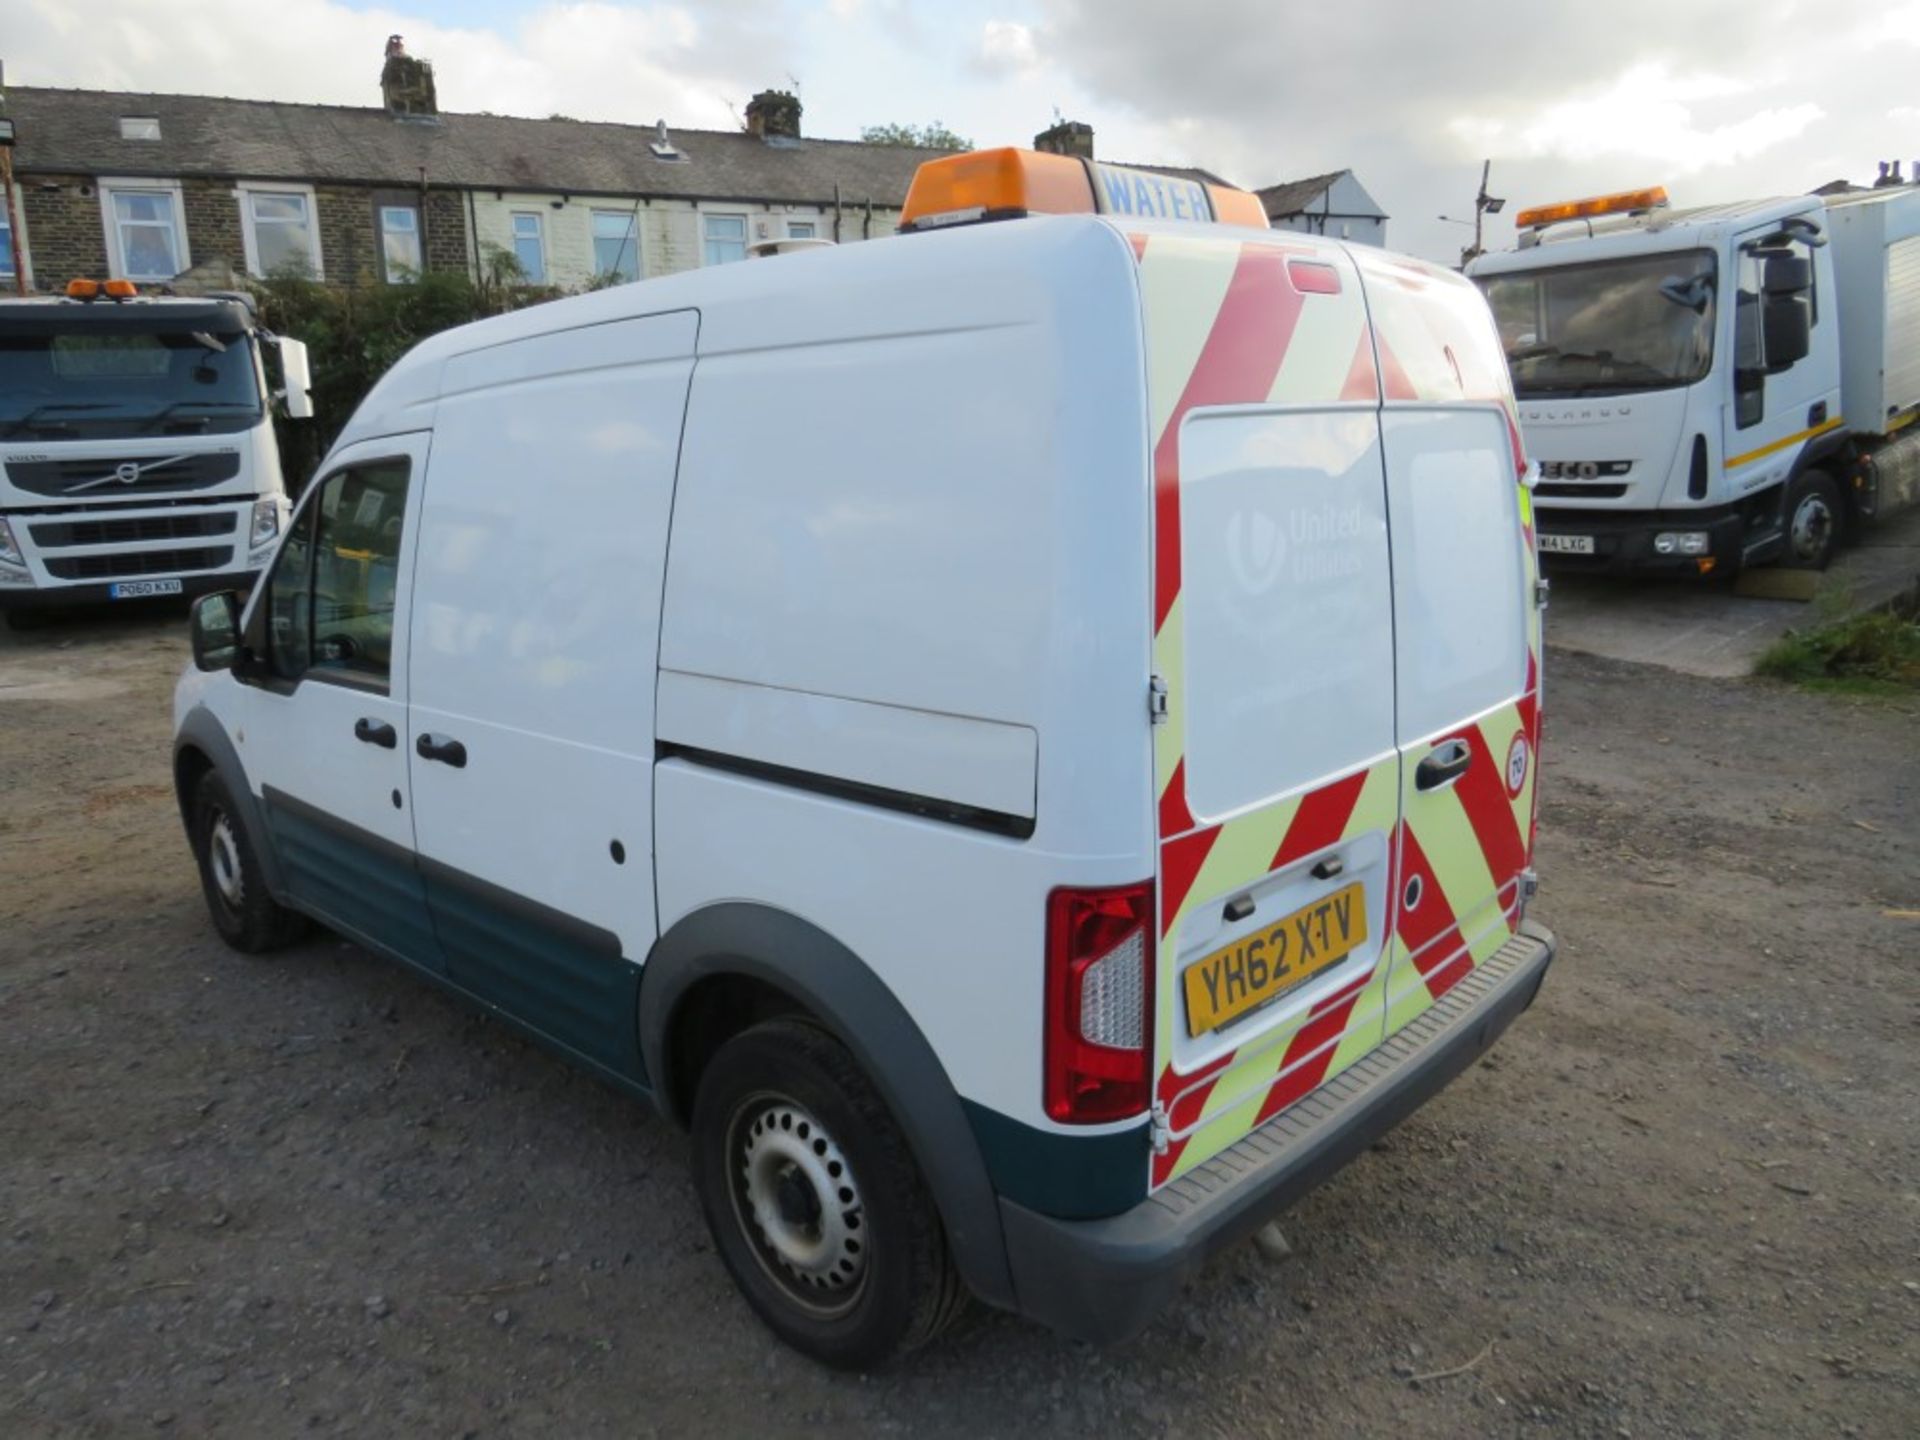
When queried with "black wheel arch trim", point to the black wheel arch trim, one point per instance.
{"points": [[201, 731], [796, 957], [1814, 455]]}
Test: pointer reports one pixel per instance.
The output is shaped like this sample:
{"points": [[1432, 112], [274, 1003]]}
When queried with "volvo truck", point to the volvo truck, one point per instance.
{"points": [[1711, 388], [137, 448]]}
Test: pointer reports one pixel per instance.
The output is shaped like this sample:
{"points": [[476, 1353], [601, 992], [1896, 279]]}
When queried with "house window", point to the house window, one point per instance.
{"points": [[616, 249], [401, 260], [800, 229], [280, 235], [528, 246], [726, 238], [139, 127], [146, 239], [6, 244]]}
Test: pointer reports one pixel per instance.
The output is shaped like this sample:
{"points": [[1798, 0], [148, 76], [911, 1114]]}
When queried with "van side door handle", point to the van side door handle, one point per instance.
{"points": [[375, 732], [1444, 764], [443, 748]]}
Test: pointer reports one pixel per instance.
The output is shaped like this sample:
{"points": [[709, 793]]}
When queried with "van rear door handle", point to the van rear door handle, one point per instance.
{"points": [[1444, 764], [445, 749], [375, 732]]}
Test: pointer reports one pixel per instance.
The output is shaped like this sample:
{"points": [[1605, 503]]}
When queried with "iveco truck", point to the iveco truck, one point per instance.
{"points": [[137, 453], [1712, 388]]}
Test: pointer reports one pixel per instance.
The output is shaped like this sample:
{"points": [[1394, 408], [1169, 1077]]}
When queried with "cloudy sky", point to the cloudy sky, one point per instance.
{"points": [[1714, 98]]}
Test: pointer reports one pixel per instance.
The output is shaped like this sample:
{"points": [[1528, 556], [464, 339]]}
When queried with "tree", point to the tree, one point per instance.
{"points": [[931, 136]]}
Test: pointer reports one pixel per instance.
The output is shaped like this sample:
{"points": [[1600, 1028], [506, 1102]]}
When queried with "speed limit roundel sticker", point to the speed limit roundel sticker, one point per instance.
{"points": [[1518, 754]]}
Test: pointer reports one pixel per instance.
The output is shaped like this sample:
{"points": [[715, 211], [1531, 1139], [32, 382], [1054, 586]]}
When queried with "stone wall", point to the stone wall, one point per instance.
{"points": [[65, 231]]}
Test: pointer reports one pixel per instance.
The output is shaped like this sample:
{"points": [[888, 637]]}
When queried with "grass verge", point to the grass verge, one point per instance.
{"points": [[1876, 652]]}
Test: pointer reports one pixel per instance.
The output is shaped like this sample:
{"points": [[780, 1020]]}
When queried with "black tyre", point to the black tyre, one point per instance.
{"points": [[1815, 521], [815, 1202], [247, 917]]}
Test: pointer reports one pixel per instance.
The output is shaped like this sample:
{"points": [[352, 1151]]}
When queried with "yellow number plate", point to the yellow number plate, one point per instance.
{"points": [[1257, 967]]}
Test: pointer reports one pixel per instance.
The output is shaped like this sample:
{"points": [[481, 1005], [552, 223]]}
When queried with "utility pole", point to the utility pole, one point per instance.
{"points": [[1483, 206], [1480, 208]]}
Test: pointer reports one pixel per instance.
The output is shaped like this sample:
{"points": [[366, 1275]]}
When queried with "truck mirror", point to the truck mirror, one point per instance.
{"points": [[1786, 274], [1789, 332], [297, 378], [216, 630]]}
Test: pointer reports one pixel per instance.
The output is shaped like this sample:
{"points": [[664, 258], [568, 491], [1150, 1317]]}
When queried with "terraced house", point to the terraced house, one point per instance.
{"points": [[194, 191]]}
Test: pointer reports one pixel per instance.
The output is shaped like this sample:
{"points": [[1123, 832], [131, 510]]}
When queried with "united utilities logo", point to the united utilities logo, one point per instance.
{"points": [[1303, 547]]}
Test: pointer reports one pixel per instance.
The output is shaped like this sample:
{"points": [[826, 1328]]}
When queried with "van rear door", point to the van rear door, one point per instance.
{"points": [[1277, 767], [1466, 628]]}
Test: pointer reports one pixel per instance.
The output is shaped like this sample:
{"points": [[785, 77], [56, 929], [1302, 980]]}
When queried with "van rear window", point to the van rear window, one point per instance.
{"points": [[1288, 624]]}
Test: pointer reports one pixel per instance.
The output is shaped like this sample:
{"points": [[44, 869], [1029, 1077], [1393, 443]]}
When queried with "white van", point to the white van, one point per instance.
{"points": [[1021, 736]]}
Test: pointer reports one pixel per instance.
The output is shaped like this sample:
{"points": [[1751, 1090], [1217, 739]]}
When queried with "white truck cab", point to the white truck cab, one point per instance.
{"points": [[137, 453], [1030, 757], [1716, 387]]}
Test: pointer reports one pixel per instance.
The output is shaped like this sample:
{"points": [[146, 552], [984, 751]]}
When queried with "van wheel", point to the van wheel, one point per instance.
{"points": [[247, 917], [1814, 521], [815, 1201]]}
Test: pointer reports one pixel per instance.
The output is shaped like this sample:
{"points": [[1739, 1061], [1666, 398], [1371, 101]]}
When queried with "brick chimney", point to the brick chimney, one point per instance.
{"points": [[774, 112], [406, 84], [1066, 137]]}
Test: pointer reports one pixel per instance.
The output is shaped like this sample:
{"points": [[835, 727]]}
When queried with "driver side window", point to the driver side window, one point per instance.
{"points": [[330, 601]]}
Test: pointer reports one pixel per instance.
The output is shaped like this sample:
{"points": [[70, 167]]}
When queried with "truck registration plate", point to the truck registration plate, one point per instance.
{"points": [[138, 589], [1258, 966], [1566, 544]]}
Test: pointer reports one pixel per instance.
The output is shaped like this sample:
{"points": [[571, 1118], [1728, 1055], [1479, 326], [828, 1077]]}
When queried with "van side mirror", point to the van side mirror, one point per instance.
{"points": [[296, 376], [215, 629]]}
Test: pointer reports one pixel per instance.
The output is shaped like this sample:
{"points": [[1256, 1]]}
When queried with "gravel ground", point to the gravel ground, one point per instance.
{"points": [[313, 1195]]}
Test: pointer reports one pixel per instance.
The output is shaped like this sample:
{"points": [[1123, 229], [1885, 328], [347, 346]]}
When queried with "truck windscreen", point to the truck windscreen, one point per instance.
{"points": [[73, 382], [1608, 327]]}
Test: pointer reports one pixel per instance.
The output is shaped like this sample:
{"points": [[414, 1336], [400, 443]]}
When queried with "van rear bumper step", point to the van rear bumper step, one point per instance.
{"points": [[1104, 1280]]}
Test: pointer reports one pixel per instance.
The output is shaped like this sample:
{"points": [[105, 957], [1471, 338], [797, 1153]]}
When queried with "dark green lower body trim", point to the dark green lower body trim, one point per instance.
{"points": [[1075, 1177], [559, 980], [553, 973], [351, 879]]}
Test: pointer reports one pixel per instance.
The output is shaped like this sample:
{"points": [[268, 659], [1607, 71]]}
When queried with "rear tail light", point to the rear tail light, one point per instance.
{"points": [[1099, 1003]]}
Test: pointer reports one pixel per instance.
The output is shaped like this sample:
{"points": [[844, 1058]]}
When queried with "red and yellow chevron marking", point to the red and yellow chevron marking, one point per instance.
{"points": [[1226, 325]]}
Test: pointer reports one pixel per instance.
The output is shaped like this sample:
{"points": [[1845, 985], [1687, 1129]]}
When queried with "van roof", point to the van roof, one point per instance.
{"points": [[968, 277]]}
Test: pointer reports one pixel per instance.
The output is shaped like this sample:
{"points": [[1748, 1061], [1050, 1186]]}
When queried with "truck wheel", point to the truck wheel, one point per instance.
{"points": [[1814, 521], [247, 917], [815, 1202]]}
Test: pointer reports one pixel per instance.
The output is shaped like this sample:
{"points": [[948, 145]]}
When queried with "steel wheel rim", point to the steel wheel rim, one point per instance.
{"points": [[223, 861], [1812, 528], [797, 1202]]}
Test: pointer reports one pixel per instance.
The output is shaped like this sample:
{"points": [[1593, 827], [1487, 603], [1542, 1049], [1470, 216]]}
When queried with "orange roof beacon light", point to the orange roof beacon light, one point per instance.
{"points": [[1008, 183], [82, 289], [120, 290], [1624, 202]]}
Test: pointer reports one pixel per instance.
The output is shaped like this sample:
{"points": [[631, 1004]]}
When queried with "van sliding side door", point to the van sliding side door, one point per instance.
{"points": [[542, 550]]}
